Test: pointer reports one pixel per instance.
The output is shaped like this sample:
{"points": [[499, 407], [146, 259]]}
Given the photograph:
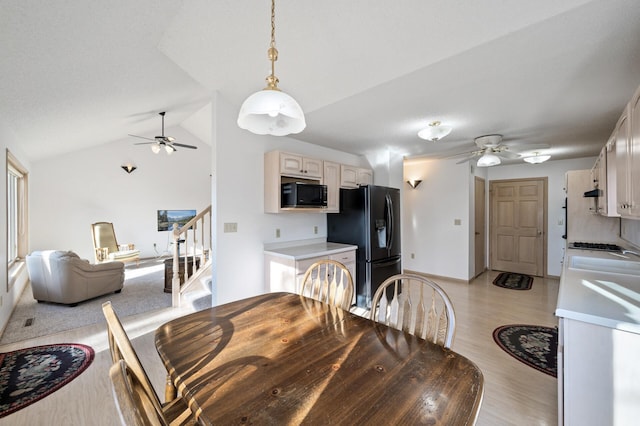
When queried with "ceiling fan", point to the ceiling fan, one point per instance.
{"points": [[491, 150], [162, 141]]}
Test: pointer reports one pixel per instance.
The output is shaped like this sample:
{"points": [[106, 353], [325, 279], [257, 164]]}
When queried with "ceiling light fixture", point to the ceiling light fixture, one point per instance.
{"points": [[536, 158], [434, 132], [271, 111], [488, 160]]}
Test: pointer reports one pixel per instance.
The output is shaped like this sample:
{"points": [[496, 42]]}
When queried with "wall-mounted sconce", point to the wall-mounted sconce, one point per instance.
{"points": [[128, 167], [414, 183]]}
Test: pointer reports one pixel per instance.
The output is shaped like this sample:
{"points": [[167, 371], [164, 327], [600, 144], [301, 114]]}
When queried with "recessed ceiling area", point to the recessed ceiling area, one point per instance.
{"points": [[368, 74]]}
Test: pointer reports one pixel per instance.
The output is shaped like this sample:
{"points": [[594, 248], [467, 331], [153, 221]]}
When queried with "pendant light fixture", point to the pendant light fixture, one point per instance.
{"points": [[271, 111]]}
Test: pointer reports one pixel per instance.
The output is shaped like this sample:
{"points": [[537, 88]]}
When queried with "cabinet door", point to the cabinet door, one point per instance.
{"points": [[331, 178], [622, 164], [291, 164], [312, 167], [365, 177], [348, 176], [634, 156]]}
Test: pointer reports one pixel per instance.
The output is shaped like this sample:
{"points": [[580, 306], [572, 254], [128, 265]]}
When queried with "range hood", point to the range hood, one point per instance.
{"points": [[592, 193]]}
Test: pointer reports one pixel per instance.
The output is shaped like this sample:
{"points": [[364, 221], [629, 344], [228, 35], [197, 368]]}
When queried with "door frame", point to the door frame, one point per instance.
{"points": [[483, 210], [545, 224]]}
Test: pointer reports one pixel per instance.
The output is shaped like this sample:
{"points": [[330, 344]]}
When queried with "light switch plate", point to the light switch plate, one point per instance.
{"points": [[231, 227]]}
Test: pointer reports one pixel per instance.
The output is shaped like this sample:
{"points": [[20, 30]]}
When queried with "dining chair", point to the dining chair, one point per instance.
{"points": [[330, 282], [175, 409], [416, 305], [135, 405]]}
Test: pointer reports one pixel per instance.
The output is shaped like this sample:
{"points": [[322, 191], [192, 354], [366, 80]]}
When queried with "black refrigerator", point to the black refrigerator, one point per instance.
{"points": [[369, 218]]}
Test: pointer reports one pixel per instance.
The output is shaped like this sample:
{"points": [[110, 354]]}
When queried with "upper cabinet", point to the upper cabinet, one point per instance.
{"points": [[331, 178], [282, 167], [627, 148], [604, 178], [297, 165], [353, 177]]}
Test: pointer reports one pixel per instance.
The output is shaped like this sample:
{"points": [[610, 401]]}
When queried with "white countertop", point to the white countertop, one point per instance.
{"points": [[602, 298], [300, 252]]}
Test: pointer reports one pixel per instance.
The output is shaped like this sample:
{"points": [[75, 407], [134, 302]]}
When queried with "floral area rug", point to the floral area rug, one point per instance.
{"points": [[513, 281], [533, 345], [28, 375]]}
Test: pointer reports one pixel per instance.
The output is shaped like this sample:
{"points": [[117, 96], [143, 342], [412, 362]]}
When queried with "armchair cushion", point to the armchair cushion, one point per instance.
{"points": [[63, 277]]}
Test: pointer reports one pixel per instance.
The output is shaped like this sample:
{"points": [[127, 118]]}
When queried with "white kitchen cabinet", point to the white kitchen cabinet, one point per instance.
{"points": [[331, 178], [597, 375], [353, 177], [285, 267], [604, 178], [623, 193], [296, 165], [634, 155]]}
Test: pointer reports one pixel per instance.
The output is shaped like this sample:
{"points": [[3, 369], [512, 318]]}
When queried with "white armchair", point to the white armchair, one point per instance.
{"points": [[62, 277]]}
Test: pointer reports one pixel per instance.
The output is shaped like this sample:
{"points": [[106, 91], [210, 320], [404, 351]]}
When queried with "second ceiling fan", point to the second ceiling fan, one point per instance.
{"points": [[162, 141]]}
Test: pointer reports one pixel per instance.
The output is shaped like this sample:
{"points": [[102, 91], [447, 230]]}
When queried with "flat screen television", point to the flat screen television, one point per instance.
{"points": [[166, 218]]}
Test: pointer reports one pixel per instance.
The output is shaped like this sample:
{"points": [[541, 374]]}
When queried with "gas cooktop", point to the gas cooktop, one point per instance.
{"points": [[594, 246]]}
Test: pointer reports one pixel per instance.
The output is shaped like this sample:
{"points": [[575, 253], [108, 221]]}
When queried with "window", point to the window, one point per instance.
{"points": [[17, 236]]}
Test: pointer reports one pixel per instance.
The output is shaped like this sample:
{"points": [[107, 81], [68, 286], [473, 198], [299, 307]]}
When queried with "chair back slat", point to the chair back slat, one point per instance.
{"points": [[135, 405], [407, 310]]}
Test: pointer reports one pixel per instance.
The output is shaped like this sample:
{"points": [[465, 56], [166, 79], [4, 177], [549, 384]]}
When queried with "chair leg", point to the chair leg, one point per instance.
{"points": [[170, 391]]}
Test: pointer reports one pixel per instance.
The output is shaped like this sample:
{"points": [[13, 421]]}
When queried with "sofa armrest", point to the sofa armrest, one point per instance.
{"points": [[84, 265]]}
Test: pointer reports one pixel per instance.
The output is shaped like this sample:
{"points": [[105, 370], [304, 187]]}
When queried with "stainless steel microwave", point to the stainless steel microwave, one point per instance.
{"points": [[303, 195]]}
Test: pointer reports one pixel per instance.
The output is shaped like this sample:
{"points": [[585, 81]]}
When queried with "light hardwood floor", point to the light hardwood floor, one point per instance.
{"points": [[515, 394]]}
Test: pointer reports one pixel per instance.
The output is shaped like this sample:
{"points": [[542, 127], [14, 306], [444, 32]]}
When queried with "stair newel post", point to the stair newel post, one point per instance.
{"points": [[175, 282]]}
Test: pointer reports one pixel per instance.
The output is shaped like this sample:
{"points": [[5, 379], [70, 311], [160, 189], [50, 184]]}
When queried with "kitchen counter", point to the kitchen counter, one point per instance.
{"points": [[602, 298], [598, 339], [301, 252]]}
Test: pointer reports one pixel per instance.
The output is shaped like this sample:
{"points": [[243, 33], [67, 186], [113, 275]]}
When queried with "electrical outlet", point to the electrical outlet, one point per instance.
{"points": [[277, 233], [154, 246], [231, 227], [413, 255], [315, 229]]}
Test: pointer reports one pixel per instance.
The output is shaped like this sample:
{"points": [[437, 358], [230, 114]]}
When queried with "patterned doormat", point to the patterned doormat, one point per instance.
{"points": [[513, 281], [534, 345], [28, 375]]}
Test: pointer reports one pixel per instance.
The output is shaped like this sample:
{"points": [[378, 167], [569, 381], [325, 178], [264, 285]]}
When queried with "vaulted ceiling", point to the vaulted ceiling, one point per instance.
{"points": [[368, 73]]}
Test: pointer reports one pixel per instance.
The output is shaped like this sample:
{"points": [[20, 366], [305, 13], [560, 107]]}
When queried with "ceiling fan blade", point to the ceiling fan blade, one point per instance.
{"points": [[142, 137], [507, 154], [144, 143], [184, 145], [464, 160]]}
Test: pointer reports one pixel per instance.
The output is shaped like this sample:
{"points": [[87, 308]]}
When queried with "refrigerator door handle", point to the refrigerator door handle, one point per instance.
{"points": [[389, 206]]}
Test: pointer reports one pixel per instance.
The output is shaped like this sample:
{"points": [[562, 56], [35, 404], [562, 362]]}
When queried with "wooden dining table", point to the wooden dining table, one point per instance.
{"points": [[284, 359]]}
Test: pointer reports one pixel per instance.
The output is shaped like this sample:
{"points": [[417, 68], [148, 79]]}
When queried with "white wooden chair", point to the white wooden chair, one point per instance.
{"points": [[330, 282], [175, 411], [416, 305]]}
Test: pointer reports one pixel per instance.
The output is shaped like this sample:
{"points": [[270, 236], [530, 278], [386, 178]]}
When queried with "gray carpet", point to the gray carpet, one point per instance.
{"points": [[143, 291]]}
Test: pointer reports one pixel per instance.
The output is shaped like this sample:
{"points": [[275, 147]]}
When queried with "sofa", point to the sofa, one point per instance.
{"points": [[63, 277]]}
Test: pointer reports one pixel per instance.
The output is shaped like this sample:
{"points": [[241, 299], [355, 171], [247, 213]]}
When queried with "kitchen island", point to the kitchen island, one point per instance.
{"points": [[599, 339]]}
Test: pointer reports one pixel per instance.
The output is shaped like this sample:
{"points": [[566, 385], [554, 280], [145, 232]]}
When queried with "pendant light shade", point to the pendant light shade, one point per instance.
{"points": [[488, 160], [271, 111]]}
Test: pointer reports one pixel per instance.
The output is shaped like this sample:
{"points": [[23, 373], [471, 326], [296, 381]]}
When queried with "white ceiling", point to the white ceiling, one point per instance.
{"points": [[368, 73]]}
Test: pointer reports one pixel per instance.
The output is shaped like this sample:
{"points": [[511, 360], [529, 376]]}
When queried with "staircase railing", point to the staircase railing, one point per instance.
{"points": [[191, 252]]}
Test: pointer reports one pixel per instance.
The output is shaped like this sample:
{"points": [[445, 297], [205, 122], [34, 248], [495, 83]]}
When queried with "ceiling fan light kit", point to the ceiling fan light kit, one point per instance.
{"points": [[488, 160], [434, 132], [271, 111]]}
